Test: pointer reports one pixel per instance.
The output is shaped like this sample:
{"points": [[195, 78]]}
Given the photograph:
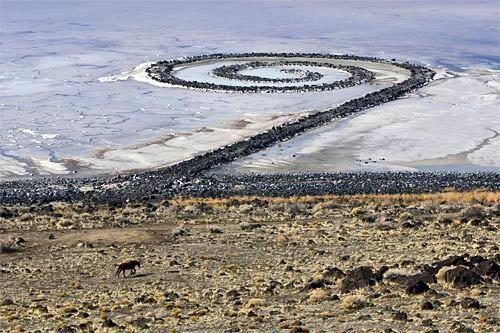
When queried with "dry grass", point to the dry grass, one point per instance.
{"points": [[317, 295], [353, 302], [442, 197], [67, 216], [254, 303]]}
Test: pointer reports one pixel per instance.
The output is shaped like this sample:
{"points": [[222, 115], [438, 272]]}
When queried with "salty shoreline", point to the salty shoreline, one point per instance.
{"points": [[188, 177], [184, 119], [400, 132]]}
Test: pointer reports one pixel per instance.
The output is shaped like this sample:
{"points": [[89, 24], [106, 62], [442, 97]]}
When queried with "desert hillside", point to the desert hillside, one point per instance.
{"points": [[379, 263]]}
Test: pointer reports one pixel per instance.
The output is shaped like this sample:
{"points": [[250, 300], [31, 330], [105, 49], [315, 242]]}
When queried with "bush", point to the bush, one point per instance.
{"points": [[6, 249]]}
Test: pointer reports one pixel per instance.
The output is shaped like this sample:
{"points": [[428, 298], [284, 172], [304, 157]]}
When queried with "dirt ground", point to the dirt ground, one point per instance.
{"points": [[310, 264]]}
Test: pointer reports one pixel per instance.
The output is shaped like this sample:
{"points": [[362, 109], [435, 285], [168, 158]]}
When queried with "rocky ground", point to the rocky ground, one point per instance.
{"points": [[371, 263]]}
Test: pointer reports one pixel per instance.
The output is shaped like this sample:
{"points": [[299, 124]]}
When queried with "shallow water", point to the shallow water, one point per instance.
{"points": [[202, 73]]}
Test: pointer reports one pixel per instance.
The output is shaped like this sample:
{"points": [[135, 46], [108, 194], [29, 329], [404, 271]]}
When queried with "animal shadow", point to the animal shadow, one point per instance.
{"points": [[139, 275]]}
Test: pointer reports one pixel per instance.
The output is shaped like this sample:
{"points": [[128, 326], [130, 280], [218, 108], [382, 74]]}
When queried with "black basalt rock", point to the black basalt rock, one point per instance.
{"points": [[488, 268], [358, 278], [462, 277], [470, 303], [417, 288]]}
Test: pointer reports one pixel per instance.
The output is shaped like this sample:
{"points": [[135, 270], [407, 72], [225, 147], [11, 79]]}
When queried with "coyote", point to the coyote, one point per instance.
{"points": [[128, 265]]}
